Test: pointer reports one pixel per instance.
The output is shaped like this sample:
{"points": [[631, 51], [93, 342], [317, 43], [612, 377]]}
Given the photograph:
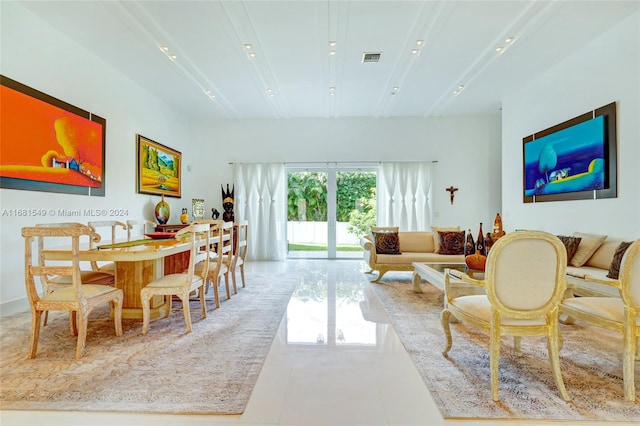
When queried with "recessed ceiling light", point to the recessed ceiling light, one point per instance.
{"points": [[415, 51], [395, 88], [252, 55], [461, 87], [420, 42], [332, 43], [248, 46], [173, 57], [499, 49], [509, 40], [164, 48], [332, 53], [210, 94]]}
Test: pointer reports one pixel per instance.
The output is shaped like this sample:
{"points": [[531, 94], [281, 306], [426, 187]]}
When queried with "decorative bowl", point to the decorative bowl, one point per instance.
{"points": [[160, 235]]}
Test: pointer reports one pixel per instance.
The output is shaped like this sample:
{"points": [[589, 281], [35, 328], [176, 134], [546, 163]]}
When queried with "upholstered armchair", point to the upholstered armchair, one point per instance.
{"points": [[618, 314], [524, 282]]}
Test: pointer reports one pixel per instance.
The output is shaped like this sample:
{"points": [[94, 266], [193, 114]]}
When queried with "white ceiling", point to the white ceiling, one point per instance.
{"points": [[291, 43]]}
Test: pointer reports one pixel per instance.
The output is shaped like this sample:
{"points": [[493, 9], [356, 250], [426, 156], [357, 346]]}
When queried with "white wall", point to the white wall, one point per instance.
{"points": [[36, 55], [604, 71], [467, 150]]}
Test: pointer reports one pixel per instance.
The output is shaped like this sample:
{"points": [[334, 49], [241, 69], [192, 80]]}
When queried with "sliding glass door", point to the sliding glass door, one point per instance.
{"points": [[328, 210]]}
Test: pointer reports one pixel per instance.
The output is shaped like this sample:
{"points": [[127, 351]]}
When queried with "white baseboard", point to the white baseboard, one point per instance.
{"points": [[14, 307]]}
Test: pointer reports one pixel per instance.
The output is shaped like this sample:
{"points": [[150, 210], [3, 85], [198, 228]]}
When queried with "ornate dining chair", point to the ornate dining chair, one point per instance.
{"points": [[240, 252], [77, 298], [219, 256], [114, 225], [141, 225], [181, 284], [524, 282], [618, 314], [51, 283]]}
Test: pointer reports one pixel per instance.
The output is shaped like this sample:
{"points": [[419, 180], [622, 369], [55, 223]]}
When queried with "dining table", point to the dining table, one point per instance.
{"points": [[137, 263]]}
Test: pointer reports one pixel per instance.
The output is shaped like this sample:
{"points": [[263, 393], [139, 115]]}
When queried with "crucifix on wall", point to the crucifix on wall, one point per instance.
{"points": [[451, 191]]}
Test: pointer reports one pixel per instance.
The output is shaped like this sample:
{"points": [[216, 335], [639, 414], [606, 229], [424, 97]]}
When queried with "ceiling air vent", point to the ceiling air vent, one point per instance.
{"points": [[370, 57]]}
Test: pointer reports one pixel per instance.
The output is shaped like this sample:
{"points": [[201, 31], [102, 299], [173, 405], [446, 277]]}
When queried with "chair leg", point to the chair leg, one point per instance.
{"points": [[444, 320], [36, 318], [553, 345], [517, 345], [233, 278], [117, 313], [186, 311], [216, 294], [242, 274], [146, 310], [203, 307], [494, 359], [83, 319], [226, 284], [629, 342]]}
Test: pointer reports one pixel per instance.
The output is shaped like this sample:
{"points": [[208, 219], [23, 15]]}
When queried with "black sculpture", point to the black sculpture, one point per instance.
{"points": [[215, 214], [227, 204]]}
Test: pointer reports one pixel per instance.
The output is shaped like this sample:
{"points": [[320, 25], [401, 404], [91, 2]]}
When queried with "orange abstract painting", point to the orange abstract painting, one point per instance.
{"points": [[48, 145]]}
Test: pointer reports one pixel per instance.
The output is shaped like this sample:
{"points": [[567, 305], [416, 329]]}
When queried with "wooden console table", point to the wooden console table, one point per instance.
{"points": [[168, 227]]}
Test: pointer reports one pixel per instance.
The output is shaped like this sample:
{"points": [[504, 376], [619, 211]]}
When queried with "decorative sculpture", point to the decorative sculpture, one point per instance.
{"points": [[227, 204], [451, 190], [215, 214]]}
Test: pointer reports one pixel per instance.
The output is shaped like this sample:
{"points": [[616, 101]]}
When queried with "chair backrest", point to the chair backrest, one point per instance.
{"points": [[525, 274], [142, 224], [215, 256], [42, 232], [113, 224], [242, 231], [630, 275], [199, 235], [227, 242]]}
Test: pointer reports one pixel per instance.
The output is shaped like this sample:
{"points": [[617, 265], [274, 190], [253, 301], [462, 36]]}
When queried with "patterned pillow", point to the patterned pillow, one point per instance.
{"points": [[614, 269], [387, 242], [436, 237], [571, 244], [451, 242]]}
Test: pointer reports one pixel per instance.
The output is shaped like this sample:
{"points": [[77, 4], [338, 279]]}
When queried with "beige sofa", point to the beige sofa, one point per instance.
{"points": [[597, 267], [415, 246]]}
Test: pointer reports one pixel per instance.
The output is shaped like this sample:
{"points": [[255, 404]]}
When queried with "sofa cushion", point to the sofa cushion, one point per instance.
{"points": [[387, 242], [614, 268], [451, 242], [603, 256], [407, 258], [384, 228], [571, 244], [588, 245], [436, 237], [416, 241]]}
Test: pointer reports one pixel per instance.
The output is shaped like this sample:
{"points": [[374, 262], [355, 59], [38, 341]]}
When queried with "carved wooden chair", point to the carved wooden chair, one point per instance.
{"points": [[181, 284], [219, 256], [143, 226], [240, 252], [618, 314], [524, 282], [114, 225], [77, 298]]}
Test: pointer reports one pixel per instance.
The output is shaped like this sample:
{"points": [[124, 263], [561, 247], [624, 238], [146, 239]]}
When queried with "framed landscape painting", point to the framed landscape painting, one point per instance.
{"points": [[158, 168], [49, 145]]}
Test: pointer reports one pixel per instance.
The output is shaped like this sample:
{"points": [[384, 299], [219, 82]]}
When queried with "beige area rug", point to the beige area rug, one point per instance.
{"points": [[211, 371], [591, 365]]}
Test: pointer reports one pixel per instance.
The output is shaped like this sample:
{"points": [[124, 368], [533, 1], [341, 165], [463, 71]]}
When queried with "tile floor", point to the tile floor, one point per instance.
{"points": [[327, 365]]}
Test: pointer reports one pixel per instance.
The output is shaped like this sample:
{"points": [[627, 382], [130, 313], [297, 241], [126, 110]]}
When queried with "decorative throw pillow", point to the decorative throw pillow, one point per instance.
{"points": [[451, 242], [436, 237], [614, 269], [589, 243], [387, 242], [571, 244]]}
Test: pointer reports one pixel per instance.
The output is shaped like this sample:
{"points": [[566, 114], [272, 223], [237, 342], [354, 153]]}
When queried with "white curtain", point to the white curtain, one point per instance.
{"points": [[261, 200], [404, 195]]}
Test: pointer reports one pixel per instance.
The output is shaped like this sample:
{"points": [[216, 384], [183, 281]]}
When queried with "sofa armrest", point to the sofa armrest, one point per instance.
{"points": [[369, 250]]}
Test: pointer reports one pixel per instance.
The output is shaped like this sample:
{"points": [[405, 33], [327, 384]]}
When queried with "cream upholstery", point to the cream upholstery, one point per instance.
{"points": [[76, 298], [181, 284], [618, 314], [415, 246], [525, 282]]}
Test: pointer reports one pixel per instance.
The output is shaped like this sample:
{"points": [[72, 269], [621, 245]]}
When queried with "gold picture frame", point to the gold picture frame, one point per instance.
{"points": [[159, 168]]}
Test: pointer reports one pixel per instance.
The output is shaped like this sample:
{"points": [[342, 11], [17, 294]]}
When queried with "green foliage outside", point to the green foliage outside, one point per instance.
{"points": [[356, 199]]}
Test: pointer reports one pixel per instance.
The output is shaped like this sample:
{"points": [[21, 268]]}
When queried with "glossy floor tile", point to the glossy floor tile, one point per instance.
{"points": [[335, 361]]}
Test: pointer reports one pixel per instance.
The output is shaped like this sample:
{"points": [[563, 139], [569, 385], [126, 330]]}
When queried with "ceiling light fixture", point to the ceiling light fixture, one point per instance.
{"points": [[459, 89], [500, 49], [415, 51], [173, 57], [252, 55], [248, 46], [332, 53], [332, 90], [509, 40], [164, 48], [210, 94], [332, 43], [420, 42]]}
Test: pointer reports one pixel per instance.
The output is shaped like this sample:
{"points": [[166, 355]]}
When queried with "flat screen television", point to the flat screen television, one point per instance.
{"points": [[573, 160]]}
